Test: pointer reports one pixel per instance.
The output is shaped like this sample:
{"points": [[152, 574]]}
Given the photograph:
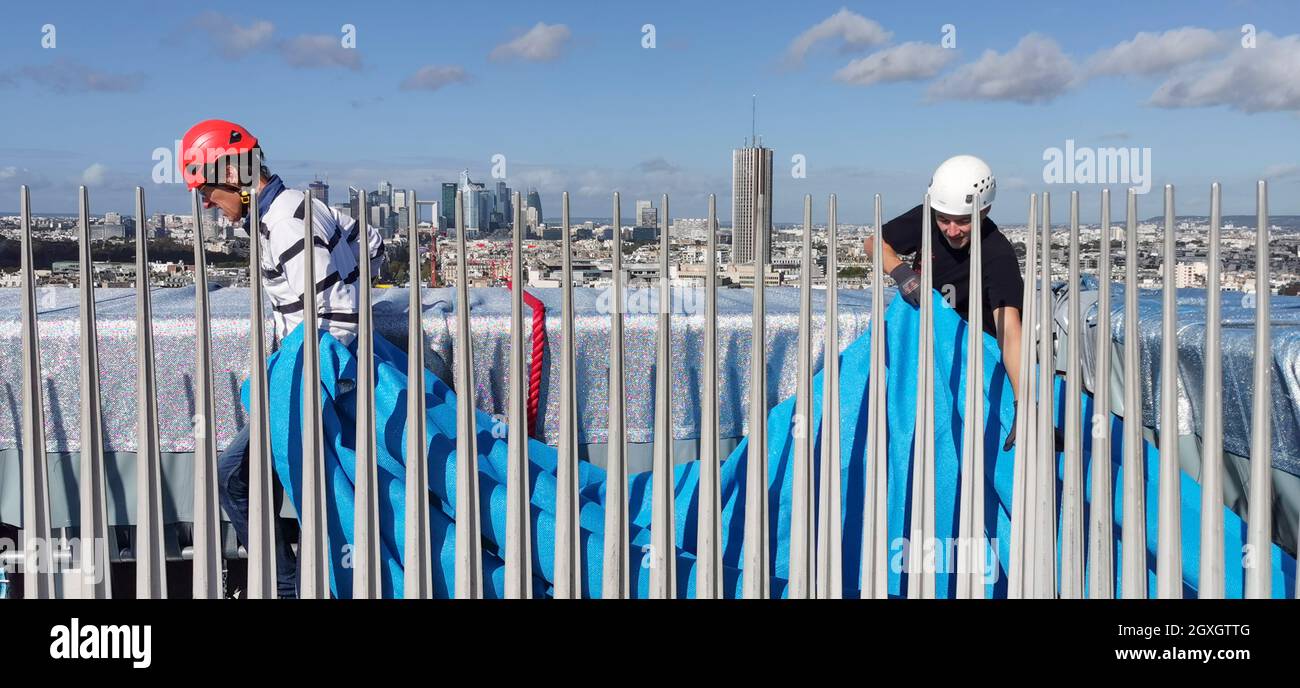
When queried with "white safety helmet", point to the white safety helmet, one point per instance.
{"points": [[955, 182]]}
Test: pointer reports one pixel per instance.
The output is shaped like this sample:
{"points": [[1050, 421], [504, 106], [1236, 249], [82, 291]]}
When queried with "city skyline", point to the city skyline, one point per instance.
{"points": [[853, 101]]}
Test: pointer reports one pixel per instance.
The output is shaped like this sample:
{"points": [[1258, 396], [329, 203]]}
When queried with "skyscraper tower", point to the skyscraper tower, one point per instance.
{"points": [[320, 190], [535, 201], [751, 177], [448, 207]]}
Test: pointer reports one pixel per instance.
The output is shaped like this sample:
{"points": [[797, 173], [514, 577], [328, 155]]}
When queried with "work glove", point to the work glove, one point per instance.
{"points": [[909, 283]]}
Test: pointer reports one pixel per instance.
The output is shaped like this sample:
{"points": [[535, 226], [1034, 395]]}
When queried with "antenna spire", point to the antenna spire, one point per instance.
{"points": [[753, 117]]}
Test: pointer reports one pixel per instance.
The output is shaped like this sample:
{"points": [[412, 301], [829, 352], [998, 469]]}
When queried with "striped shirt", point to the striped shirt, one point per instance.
{"points": [[337, 264]]}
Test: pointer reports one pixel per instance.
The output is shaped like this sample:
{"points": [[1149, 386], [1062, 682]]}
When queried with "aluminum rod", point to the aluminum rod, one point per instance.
{"points": [[96, 575], [875, 545], [802, 518], [1043, 528], [1022, 474], [519, 545], [830, 521], [663, 529], [568, 535], [1101, 526], [756, 569], [921, 578], [1169, 540], [150, 560], [417, 573], [366, 573], [1072, 526], [39, 562], [1212, 555], [469, 528], [313, 544], [261, 499], [1133, 577], [1259, 520], [207, 510], [614, 581], [970, 521], [708, 572]]}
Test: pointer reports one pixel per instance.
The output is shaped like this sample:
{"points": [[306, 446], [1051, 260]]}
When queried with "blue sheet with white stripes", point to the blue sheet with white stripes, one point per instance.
{"points": [[338, 363]]}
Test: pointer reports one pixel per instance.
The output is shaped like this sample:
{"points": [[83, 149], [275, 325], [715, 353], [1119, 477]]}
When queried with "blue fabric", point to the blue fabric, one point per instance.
{"points": [[901, 320], [266, 195]]}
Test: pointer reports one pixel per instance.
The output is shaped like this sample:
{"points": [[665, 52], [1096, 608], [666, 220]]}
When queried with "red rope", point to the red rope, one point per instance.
{"points": [[535, 356]]}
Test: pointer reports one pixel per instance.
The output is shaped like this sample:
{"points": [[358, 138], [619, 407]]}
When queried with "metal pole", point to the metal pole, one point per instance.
{"points": [[519, 545], [1101, 532], [830, 537], [1044, 488], [1259, 521], [261, 500], [1072, 529], [802, 518], [614, 584], [568, 536], [365, 539], [1022, 476], [313, 547], [921, 578], [1169, 539], [417, 570], [1133, 583], [875, 582], [755, 568], [970, 543], [1212, 561], [469, 529], [39, 564], [150, 561], [708, 579], [207, 510], [663, 529]]}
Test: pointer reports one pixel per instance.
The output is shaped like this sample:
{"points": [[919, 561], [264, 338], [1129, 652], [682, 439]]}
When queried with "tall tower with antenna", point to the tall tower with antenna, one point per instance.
{"points": [[751, 178]]}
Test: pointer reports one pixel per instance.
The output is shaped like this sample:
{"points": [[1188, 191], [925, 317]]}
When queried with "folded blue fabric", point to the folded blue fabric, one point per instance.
{"points": [[338, 363]]}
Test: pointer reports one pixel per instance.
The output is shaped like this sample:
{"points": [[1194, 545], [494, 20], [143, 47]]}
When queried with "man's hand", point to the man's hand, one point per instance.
{"points": [[909, 283]]}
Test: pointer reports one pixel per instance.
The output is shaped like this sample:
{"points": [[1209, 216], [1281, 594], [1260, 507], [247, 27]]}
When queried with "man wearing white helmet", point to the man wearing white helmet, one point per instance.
{"points": [[952, 196]]}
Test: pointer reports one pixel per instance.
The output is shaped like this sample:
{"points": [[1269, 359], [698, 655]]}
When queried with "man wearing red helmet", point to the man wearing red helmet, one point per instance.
{"points": [[224, 162]]}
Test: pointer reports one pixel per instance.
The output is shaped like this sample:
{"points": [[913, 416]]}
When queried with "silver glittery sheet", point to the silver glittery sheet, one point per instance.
{"points": [[490, 309], [1238, 355]]}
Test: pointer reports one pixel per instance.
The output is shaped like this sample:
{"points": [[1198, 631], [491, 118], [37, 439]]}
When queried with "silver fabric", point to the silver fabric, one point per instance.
{"points": [[1238, 353], [490, 310]]}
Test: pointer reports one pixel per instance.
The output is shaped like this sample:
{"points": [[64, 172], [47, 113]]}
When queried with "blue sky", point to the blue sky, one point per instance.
{"points": [[569, 95]]}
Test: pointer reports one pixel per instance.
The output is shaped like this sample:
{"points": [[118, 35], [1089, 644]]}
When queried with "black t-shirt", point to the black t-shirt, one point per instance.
{"points": [[1003, 284]]}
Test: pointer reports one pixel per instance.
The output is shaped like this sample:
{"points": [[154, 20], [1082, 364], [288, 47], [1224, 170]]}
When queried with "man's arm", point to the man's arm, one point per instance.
{"points": [[1008, 324]]}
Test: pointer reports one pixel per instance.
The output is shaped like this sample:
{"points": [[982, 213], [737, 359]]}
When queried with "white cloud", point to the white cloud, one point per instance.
{"points": [[1035, 71], [67, 76], [319, 51], [434, 77], [7, 173], [542, 43], [855, 31], [232, 40], [95, 175], [1260, 79], [906, 62], [1279, 171], [1156, 53]]}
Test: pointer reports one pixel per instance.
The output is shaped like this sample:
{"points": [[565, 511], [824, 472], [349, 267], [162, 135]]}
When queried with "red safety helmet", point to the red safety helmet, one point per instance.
{"points": [[211, 142]]}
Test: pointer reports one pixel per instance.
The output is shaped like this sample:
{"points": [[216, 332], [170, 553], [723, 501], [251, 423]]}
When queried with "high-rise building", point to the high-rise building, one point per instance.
{"points": [[448, 206], [385, 190], [112, 218], [647, 215], [535, 201], [320, 191], [751, 178], [478, 205], [399, 201]]}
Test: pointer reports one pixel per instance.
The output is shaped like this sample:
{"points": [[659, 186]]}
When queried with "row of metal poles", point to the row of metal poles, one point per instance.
{"points": [[815, 566]]}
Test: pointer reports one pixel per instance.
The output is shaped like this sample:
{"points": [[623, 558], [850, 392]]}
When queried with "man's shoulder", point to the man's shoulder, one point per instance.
{"points": [[286, 206]]}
